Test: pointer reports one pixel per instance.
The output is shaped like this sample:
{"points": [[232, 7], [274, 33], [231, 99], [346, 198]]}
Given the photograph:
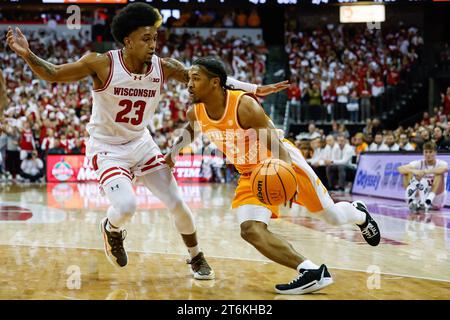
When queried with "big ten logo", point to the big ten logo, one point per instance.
{"points": [[374, 278], [74, 280], [74, 20]]}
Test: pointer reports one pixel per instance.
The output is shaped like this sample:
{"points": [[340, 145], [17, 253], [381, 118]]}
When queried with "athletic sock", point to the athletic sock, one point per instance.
{"points": [[194, 251], [430, 198], [307, 264]]}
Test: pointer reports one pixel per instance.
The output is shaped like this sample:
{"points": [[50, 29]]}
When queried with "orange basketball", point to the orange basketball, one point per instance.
{"points": [[273, 182]]}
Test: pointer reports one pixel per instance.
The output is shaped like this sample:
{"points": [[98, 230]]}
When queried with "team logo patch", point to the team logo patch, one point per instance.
{"points": [[62, 171]]}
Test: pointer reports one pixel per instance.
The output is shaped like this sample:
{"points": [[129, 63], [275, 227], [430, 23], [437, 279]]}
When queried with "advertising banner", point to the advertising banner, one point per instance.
{"points": [[377, 174], [76, 168]]}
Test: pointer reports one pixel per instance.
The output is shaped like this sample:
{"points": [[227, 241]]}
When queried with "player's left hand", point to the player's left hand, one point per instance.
{"points": [[272, 88]]}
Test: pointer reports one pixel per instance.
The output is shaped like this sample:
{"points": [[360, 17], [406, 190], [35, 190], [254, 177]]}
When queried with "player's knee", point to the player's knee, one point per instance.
{"points": [[252, 231], [127, 206]]}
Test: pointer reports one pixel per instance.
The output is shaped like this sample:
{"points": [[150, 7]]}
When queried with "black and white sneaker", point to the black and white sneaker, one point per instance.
{"points": [[369, 229], [308, 280], [114, 249], [200, 268]]}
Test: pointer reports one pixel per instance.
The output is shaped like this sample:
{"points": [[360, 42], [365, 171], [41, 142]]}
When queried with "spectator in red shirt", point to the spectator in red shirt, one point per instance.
{"points": [[426, 119], [27, 144], [294, 94], [393, 77], [329, 100], [446, 102], [365, 103]]}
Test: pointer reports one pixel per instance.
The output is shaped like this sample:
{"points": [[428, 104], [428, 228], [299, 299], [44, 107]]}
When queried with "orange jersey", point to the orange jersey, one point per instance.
{"points": [[240, 146]]}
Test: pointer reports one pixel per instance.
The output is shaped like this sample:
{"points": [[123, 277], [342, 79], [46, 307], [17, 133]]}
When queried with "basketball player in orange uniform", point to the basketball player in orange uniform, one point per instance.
{"points": [[127, 86], [229, 118]]}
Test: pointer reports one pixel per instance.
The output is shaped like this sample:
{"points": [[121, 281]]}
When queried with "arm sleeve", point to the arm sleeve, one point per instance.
{"points": [[236, 84]]}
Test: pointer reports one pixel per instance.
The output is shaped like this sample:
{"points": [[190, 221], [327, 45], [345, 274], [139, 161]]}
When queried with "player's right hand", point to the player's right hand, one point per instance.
{"points": [[18, 43], [169, 160]]}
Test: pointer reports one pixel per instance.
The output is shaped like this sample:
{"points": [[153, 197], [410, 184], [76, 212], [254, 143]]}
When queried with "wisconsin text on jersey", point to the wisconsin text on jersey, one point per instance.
{"points": [[134, 92]]}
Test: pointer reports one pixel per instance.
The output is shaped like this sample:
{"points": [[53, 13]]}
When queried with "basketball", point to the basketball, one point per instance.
{"points": [[273, 182]]}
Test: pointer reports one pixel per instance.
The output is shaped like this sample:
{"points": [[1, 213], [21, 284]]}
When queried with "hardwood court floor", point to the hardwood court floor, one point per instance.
{"points": [[51, 249]]}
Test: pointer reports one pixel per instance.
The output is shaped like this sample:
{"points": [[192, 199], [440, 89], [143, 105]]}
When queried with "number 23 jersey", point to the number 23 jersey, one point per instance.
{"points": [[124, 106]]}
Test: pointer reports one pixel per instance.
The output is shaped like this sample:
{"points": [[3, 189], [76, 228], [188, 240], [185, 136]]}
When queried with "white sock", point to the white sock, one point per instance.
{"points": [[431, 196], [343, 213], [194, 251], [111, 228], [307, 264]]}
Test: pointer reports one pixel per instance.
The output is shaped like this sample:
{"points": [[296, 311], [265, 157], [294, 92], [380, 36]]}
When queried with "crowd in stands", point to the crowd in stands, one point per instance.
{"points": [[51, 118], [347, 73], [231, 18], [334, 154]]}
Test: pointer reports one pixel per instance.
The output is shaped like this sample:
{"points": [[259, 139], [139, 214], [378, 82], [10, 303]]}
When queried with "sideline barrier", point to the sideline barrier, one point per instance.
{"points": [[76, 168], [377, 174]]}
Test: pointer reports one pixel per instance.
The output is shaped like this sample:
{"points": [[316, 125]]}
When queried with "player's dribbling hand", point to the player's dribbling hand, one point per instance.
{"points": [[272, 88], [18, 43]]}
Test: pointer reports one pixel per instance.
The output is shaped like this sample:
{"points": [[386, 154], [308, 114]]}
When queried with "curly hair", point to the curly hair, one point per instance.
{"points": [[214, 68], [132, 17]]}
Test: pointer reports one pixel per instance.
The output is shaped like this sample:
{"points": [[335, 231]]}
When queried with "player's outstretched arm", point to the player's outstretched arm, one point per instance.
{"points": [[3, 96], [188, 135], [251, 115], [174, 69], [258, 90], [47, 71]]}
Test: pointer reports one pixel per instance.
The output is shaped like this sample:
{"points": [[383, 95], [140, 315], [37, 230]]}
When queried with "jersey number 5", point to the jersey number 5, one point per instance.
{"points": [[139, 107]]}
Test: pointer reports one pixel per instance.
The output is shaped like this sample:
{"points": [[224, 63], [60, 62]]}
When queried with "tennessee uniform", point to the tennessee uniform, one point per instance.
{"points": [[244, 150]]}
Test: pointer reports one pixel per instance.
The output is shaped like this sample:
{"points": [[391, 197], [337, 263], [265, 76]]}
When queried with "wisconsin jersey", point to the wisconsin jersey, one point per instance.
{"points": [[421, 165], [123, 107]]}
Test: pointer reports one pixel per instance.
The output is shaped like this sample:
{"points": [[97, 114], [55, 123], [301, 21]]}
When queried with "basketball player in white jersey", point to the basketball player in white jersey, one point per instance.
{"points": [[425, 181], [127, 85]]}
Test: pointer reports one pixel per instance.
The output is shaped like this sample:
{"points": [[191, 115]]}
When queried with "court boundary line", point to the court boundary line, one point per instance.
{"points": [[228, 258]]}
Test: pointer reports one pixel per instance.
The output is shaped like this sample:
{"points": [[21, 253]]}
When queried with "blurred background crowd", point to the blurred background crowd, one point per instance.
{"points": [[345, 77]]}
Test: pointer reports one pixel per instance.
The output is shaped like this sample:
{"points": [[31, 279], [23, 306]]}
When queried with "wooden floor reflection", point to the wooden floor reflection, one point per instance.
{"points": [[50, 249]]}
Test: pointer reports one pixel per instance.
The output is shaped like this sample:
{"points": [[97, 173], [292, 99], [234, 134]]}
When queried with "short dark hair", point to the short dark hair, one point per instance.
{"points": [[430, 145], [214, 68], [132, 17]]}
